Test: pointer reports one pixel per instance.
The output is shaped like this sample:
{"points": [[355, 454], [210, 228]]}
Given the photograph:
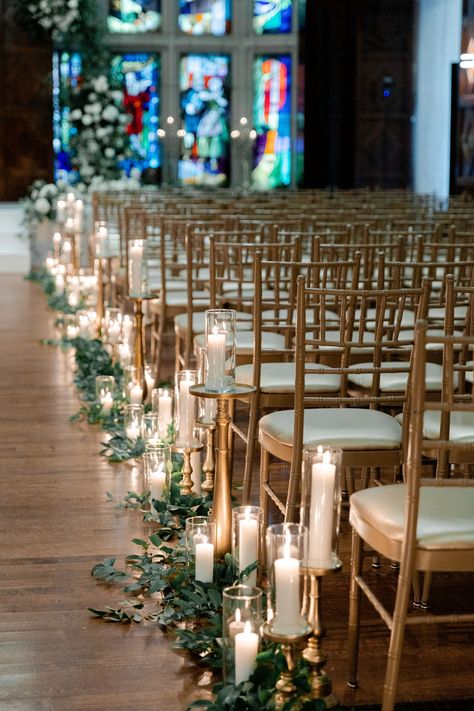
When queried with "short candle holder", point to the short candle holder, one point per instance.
{"points": [[285, 687], [222, 501], [186, 449]]}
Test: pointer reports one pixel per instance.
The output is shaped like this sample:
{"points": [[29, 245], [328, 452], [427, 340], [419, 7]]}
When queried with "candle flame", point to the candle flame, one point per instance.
{"points": [[247, 513], [237, 615], [320, 448], [247, 627], [327, 457]]}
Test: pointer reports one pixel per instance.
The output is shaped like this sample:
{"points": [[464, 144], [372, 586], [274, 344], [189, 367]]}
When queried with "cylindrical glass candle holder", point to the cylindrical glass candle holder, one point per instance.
{"points": [[207, 407], [220, 346], [157, 470], [84, 324], [104, 392], [137, 268], [162, 405], [186, 403], [246, 535], [101, 239], [125, 354], [200, 536], [286, 560], [132, 421], [150, 428], [129, 378], [241, 623], [113, 325], [321, 504]]}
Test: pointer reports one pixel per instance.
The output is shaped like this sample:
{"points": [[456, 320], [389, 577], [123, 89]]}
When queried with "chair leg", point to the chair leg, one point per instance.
{"points": [[396, 638], [159, 345], [425, 598], [264, 478], [354, 610], [250, 451]]}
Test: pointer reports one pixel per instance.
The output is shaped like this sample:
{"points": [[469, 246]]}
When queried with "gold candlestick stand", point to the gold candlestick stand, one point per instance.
{"points": [[208, 465], [321, 687], [285, 687], [222, 506], [100, 296], [139, 347], [186, 449]]}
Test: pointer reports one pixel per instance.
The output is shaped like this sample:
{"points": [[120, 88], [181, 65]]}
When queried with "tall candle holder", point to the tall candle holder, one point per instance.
{"points": [[104, 392], [222, 500], [241, 630], [132, 416], [157, 467], [162, 406], [138, 292], [220, 350], [320, 511], [185, 419], [206, 423]]}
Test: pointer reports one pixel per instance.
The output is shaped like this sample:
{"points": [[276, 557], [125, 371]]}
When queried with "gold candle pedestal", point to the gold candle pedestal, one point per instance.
{"points": [[139, 346], [110, 282], [186, 483], [321, 687], [208, 465], [285, 688], [100, 296], [222, 502]]}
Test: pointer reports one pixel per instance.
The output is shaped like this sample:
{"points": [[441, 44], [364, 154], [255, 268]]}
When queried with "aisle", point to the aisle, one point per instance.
{"points": [[55, 524]]}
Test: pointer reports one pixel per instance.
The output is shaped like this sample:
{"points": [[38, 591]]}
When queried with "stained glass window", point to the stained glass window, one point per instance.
{"points": [[200, 17], [132, 16], [139, 76], [205, 111], [67, 73], [272, 16], [272, 121]]}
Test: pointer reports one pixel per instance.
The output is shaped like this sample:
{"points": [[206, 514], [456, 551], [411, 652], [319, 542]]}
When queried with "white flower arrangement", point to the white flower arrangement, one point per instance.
{"points": [[54, 16], [99, 139]]}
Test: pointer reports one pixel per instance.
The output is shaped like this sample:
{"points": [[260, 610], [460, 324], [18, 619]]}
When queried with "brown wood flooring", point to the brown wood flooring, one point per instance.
{"points": [[56, 523]]}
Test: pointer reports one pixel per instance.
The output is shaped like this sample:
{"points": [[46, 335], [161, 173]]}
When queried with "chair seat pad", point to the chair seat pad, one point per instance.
{"points": [[347, 428], [280, 378], [461, 425], [199, 322], [154, 283], [281, 314], [440, 312], [244, 341], [445, 519], [407, 318], [469, 373], [397, 381], [180, 298]]}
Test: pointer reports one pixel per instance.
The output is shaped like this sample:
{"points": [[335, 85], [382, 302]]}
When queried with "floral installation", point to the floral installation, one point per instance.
{"points": [[55, 17], [99, 142], [40, 202]]}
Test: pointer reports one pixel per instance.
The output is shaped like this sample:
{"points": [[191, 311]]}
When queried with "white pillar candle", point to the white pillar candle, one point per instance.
{"points": [[287, 593], [133, 431], [164, 414], [72, 299], [125, 354], [248, 544], [70, 226], [60, 211], [236, 625], [186, 411], [136, 259], [215, 359], [321, 512], [204, 570], [136, 394], [114, 332], [84, 326], [246, 650], [196, 472], [101, 237], [157, 482], [106, 402], [78, 215], [56, 242], [127, 326], [150, 383]]}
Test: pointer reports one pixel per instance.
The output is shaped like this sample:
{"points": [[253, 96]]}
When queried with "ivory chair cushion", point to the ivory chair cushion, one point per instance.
{"points": [[347, 428], [280, 378], [243, 322], [445, 521], [335, 336], [438, 312], [397, 381], [268, 314], [408, 335], [461, 425], [180, 298], [407, 320], [244, 341], [468, 374]]}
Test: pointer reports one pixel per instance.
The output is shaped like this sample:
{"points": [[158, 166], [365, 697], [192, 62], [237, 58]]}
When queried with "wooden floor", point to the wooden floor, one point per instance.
{"points": [[55, 523]]}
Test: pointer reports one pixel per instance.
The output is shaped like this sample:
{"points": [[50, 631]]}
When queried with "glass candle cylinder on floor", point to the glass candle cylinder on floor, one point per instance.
{"points": [[150, 381], [113, 325], [199, 536], [162, 405], [286, 559], [207, 407], [246, 534], [132, 420], [150, 428], [157, 470], [185, 414], [129, 378], [220, 347], [137, 268], [100, 234], [321, 504], [104, 392], [241, 623]]}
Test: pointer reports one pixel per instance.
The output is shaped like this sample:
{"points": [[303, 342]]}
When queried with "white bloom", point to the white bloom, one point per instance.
{"points": [[124, 118], [92, 96], [48, 191], [42, 206], [101, 132], [116, 95], [86, 120], [100, 84], [110, 113], [109, 153], [76, 114]]}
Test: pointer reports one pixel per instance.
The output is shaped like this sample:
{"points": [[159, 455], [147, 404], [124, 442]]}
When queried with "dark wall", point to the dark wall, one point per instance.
{"points": [[358, 93], [25, 108]]}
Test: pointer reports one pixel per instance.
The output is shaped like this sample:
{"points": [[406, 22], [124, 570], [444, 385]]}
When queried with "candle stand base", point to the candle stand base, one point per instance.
{"points": [[186, 483], [208, 464], [321, 687], [285, 688], [222, 501]]}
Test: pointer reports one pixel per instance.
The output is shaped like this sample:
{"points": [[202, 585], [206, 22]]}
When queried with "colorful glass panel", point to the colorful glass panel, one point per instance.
{"points": [[133, 16], [272, 16], [205, 110], [67, 74], [139, 76], [272, 121], [205, 17]]}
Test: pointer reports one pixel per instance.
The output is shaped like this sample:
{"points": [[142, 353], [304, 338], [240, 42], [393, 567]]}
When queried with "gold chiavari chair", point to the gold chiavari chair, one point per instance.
{"points": [[368, 436], [424, 524]]}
